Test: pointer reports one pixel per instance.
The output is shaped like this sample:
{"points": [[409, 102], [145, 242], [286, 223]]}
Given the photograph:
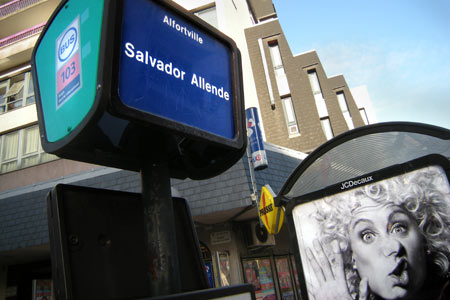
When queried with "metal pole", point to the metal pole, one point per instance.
{"points": [[163, 269]]}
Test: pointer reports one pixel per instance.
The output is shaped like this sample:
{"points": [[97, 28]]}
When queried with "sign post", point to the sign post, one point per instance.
{"points": [[110, 75], [143, 85], [159, 220]]}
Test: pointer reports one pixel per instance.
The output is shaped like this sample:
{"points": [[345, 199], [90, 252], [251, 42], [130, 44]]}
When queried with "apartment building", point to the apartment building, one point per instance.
{"points": [[300, 108]]}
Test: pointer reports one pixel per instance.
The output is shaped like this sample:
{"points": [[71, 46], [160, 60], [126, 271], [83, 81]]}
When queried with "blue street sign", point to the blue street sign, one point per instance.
{"points": [[173, 69], [119, 82]]}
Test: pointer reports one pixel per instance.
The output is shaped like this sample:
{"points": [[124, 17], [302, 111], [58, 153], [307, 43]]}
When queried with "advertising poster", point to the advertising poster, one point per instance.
{"points": [[259, 273], [42, 289], [209, 273], [224, 269], [284, 278], [385, 236]]}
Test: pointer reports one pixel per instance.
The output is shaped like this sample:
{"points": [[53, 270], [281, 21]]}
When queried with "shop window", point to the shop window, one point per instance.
{"points": [[16, 92], [42, 289], [344, 109], [289, 116], [223, 259], [258, 272], [21, 149], [209, 267], [285, 278], [317, 92]]}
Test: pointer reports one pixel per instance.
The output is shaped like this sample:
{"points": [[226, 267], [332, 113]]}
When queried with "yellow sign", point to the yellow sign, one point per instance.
{"points": [[272, 216]]}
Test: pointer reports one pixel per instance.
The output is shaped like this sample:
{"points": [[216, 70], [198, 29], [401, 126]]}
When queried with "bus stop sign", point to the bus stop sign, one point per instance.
{"points": [[117, 81]]}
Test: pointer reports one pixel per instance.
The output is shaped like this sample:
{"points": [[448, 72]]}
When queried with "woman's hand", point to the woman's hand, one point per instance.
{"points": [[328, 266]]}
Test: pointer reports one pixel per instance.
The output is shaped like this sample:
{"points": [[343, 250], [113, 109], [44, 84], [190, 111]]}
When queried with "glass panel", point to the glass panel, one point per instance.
{"points": [[363, 113], [290, 115], [348, 120], [275, 55], [47, 157], [3, 97], [259, 273], [208, 15], [342, 102], [31, 140], [10, 146], [315, 85], [293, 130], [42, 289], [30, 161], [10, 166], [283, 85], [326, 127], [30, 92], [297, 282], [224, 268], [321, 106], [2, 94], [30, 100], [30, 86], [279, 72], [284, 278], [15, 89]]}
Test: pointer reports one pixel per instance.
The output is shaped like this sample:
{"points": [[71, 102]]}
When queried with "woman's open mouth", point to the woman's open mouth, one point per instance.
{"points": [[400, 273]]}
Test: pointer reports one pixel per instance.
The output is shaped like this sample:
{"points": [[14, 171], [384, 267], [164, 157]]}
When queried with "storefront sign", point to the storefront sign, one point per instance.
{"points": [[259, 156], [220, 237], [192, 87], [271, 215]]}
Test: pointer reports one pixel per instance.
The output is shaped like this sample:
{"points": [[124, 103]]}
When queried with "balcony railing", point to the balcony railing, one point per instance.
{"points": [[21, 35], [16, 5]]}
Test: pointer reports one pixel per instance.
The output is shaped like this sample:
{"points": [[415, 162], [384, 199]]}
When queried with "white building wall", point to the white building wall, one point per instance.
{"points": [[362, 99]]}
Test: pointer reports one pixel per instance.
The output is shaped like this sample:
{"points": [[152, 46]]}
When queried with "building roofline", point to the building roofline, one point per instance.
{"points": [[71, 178], [285, 151], [262, 23], [306, 52]]}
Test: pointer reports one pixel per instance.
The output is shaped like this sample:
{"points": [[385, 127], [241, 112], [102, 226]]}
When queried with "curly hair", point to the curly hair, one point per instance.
{"points": [[423, 193]]}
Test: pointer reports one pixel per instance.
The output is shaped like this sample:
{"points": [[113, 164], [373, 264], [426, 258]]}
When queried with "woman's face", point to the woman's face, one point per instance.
{"points": [[388, 249]]}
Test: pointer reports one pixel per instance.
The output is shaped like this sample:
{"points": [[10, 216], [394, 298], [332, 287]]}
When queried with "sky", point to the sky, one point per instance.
{"points": [[398, 49]]}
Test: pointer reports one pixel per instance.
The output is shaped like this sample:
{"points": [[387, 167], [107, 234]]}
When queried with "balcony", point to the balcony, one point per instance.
{"points": [[15, 6], [16, 49], [21, 22], [24, 34]]}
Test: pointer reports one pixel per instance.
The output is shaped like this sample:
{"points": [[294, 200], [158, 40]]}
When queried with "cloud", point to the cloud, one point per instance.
{"points": [[404, 81]]}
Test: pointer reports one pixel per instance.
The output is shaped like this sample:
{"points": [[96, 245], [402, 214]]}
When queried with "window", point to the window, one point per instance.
{"points": [[277, 62], [16, 92], [21, 149], [317, 92], [363, 113], [289, 115], [209, 15], [344, 108], [326, 127]]}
